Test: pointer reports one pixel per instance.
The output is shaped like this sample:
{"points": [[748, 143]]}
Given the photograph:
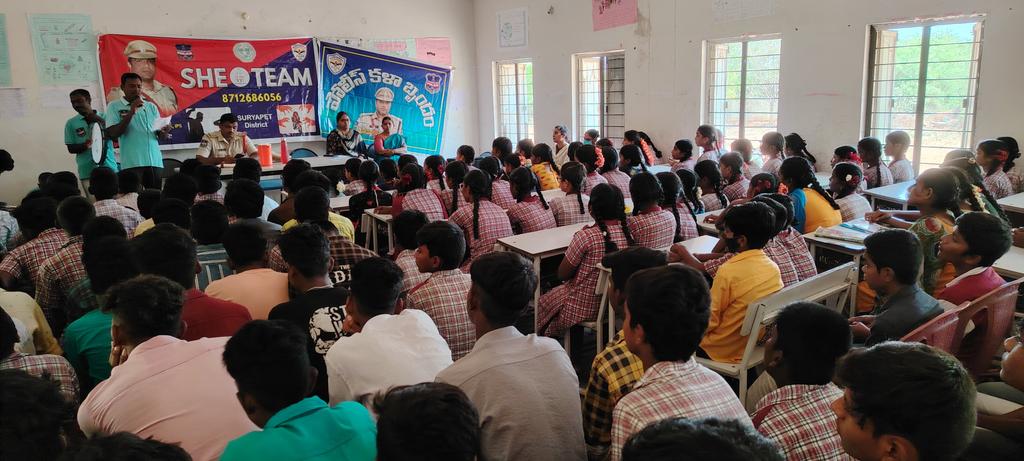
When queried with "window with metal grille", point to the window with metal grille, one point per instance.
{"points": [[923, 79], [513, 86], [742, 94], [601, 94]]}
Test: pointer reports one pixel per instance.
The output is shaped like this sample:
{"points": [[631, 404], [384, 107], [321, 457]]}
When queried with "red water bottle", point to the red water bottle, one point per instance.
{"points": [[284, 150]]}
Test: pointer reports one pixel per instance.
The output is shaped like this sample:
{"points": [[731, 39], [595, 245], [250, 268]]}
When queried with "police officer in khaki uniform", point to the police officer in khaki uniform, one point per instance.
{"points": [[142, 60], [223, 145], [370, 123]]}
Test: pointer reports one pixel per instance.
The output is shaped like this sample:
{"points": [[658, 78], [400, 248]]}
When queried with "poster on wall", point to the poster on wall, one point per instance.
{"points": [[370, 86], [613, 13], [513, 28], [270, 85], [5, 57], [64, 46]]}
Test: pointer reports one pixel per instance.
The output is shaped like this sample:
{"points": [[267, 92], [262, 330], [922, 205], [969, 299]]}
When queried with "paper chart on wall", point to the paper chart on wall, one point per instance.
{"points": [[14, 102], [513, 29], [5, 56], [613, 13], [738, 10], [430, 50], [65, 48]]}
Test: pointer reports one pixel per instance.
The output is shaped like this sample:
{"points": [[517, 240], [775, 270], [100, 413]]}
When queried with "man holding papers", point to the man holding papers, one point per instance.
{"points": [[136, 123]]}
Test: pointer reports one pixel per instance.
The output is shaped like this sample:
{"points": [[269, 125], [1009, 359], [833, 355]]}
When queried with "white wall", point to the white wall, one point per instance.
{"points": [[36, 141], [823, 59]]}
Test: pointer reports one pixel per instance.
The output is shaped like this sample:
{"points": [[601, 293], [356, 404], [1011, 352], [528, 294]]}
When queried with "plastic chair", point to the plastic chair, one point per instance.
{"points": [[996, 308], [171, 166], [302, 152], [832, 288], [939, 332]]}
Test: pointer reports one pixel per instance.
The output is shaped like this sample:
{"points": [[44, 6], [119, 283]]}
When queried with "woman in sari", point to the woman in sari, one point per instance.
{"points": [[386, 144]]}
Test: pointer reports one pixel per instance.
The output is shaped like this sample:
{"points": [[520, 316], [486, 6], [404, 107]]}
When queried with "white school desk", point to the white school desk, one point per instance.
{"points": [[339, 204], [1013, 203], [538, 245], [317, 163], [370, 220], [823, 178], [853, 249], [552, 194], [893, 195], [707, 228], [655, 169], [1011, 265]]}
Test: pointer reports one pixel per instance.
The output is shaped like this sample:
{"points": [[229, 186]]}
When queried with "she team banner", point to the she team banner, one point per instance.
{"points": [[271, 85], [370, 86]]}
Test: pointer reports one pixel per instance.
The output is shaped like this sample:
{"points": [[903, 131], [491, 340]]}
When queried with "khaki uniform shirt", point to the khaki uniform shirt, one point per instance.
{"points": [[214, 144], [370, 124], [161, 95]]}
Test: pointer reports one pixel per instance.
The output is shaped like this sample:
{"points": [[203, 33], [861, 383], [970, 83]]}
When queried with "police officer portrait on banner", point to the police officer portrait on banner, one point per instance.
{"points": [[371, 123], [226, 144], [142, 60]]}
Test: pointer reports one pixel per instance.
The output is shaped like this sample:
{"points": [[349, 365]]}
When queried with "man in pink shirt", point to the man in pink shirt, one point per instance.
{"points": [[253, 285], [162, 387]]}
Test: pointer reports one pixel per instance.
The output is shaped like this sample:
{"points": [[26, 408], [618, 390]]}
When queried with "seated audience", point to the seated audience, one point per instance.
{"points": [[991, 155], [801, 350], [615, 369], [107, 261], [244, 201], [501, 193], [289, 173], [52, 367], [650, 225], [62, 271], [890, 264], [407, 224], [253, 285], [37, 219], [977, 241], [705, 438], [209, 223], [413, 194], [735, 181], [369, 199], [36, 419], [903, 401], [530, 212], [81, 298], [813, 206], [249, 168], [896, 145], [383, 349], [172, 211], [1000, 431], [209, 184], [124, 446], [22, 308], [519, 419], [667, 311], [674, 200], [170, 252], [154, 390], [876, 172], [103, 186], [128, 188], [440, 249], [426, 421], [319, 180], [148, 199], [318, 307], [268, 361], [709, 179], [572, 207]]}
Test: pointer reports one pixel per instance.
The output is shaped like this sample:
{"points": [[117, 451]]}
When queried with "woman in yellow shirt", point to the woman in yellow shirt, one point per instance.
{"points": [[812, 206], [543, 165]]}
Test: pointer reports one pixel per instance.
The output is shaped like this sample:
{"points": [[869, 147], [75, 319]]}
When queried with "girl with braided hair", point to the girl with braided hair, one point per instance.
{"points": [[709, 178], [690, 194], [991, 157], [650, 225], [611, 172], [845, 180], [572, 207], [454, 174], [632, 160], [1012, 169], [812, 205], [964, 160], [575, 301], [707, 139], [433, 166], [500, 193], [368, 199], [876, 172], [735, 184], [587, 155], [937, 197], [414, 195], [772, 147], [530, 212], [482, 221], [797, 147], [686, 220]]}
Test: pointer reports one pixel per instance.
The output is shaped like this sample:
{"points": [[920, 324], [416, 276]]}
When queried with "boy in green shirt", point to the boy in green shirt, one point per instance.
{"points": [[268, 360]]}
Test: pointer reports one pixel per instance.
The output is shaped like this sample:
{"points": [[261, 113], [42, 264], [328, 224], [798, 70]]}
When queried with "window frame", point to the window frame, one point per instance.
{"points": [[529, 128], [706, 80], [577, 126], [974, 88]]}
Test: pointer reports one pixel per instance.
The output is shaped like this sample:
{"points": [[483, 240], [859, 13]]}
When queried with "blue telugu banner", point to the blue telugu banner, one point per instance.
{"points": [[369, 86]]}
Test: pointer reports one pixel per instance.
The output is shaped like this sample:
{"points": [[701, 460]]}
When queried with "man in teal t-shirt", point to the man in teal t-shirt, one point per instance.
{"points": [[86, 342], [78, 136], [269, 363], [130, 121]]}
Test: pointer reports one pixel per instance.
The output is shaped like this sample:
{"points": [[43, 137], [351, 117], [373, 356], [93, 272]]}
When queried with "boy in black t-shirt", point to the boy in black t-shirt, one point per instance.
{"points": [[319, 308]]}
